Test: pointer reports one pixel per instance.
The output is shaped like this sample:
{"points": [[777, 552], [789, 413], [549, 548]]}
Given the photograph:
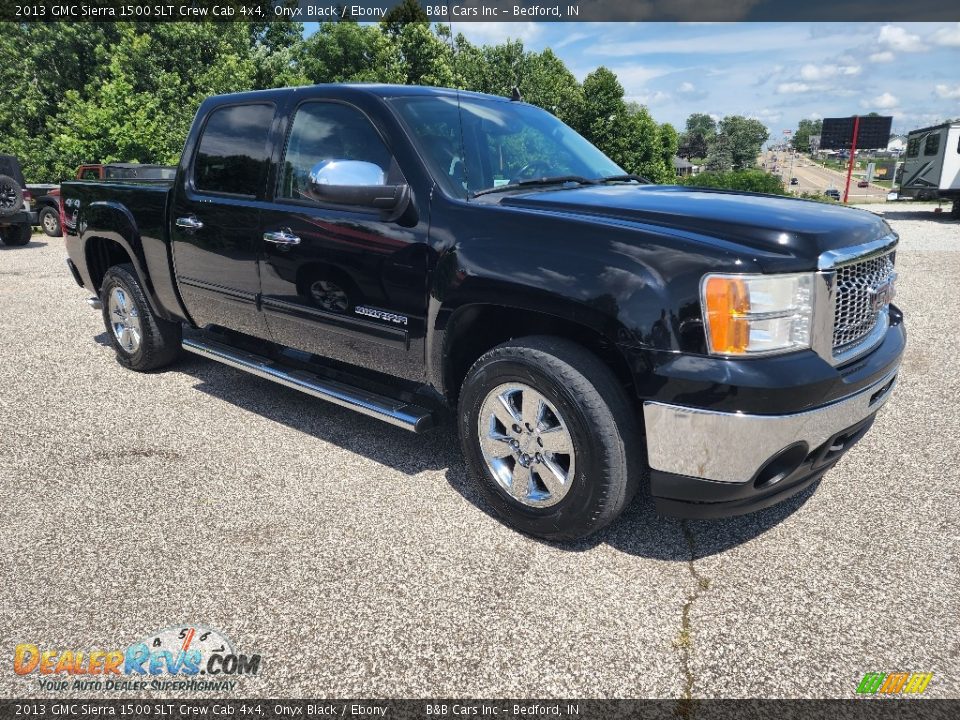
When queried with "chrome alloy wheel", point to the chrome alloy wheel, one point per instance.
{"points": [[526, 445], [124, 319]]}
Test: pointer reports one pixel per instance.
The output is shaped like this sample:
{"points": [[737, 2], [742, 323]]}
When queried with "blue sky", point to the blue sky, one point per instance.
{"points": [[776, 72]]}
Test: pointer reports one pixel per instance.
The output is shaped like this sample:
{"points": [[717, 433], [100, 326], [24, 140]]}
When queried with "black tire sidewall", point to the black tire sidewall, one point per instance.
{"points": [[573, 516], [17, 235], [120, 277]]}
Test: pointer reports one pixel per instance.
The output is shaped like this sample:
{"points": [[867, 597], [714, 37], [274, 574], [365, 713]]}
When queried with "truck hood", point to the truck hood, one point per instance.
{"points": [[782, 234]]}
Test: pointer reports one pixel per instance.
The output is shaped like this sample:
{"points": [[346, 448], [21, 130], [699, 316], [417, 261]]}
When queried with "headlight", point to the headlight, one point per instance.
{"points": [[757, 314]]}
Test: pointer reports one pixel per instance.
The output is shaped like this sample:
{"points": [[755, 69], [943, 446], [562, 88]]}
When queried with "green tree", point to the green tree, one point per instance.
{"points": [[695, 141], [719, 155], [350, 52], [805, 129], [746, 137], [402, 14], [141, 108], [428, 60]]}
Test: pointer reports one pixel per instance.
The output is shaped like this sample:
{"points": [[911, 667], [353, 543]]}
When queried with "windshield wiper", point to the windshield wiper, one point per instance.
{"points": [[535, 182], [623, 178]]}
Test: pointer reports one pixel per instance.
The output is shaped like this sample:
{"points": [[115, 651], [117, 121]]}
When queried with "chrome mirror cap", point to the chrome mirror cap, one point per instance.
{"points": [[354, 173]]}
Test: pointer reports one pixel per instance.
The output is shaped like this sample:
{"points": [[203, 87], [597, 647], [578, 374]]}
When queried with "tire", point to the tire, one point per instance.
{"points": [[11, 196], [16, 235], [584, 399], [50, 222], [955, 210], [156, 342]]}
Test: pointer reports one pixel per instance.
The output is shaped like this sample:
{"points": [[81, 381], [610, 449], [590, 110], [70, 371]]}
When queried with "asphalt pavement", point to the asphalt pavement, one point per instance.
{"points": [[357, 559]]}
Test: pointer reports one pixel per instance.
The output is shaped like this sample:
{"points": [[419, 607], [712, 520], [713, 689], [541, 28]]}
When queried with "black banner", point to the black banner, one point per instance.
{"points": [[861, 709], [461, 11]]}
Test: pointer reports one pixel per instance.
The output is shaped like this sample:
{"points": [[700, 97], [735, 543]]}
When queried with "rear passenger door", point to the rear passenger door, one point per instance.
{"points": [[347, 283], [215, 218]]}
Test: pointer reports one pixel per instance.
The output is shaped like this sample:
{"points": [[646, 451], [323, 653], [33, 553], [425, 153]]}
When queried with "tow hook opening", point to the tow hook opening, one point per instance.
{"points": [[781, 465]]}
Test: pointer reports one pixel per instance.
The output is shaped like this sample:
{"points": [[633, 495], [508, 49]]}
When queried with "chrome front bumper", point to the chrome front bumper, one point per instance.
{"points": [[732, 447]]}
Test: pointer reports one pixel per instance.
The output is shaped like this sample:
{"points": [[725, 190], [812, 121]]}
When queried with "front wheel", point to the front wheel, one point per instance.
{"points": [[550, 436], [141, 340]]}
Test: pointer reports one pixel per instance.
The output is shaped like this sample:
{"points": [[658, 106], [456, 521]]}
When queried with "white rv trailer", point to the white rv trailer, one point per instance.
{"points": [[931, 166]]}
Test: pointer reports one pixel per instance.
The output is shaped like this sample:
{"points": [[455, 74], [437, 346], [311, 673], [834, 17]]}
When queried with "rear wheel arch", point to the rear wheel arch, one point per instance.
{"points": [[106, 250]]}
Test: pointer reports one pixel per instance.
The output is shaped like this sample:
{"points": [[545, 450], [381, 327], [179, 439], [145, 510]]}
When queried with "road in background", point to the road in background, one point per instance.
{"points": [[814, 178]]}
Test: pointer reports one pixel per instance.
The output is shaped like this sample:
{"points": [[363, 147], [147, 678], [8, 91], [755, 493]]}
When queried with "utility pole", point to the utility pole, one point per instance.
{"points": [[853, 154]]}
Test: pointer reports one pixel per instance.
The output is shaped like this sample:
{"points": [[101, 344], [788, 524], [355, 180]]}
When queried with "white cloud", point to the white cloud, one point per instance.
{"points": [[653, 97], [569, 40], [882, 57], [897, 38], [687, 87], [948, 93], [813, 72], [493, 33], [793, 88], [755, 38], [886, 101], [949, 36]]}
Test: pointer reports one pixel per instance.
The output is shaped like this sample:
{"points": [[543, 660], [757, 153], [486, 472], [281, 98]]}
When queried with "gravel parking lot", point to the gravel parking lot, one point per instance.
{"points": [[358, 561]]}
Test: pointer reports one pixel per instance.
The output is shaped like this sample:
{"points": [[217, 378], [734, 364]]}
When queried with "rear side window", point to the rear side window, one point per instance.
{"points": [[932, 146], [913, 147], [234, 152]]}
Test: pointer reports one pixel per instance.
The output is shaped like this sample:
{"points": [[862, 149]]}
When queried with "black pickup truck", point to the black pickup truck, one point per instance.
{"points": [[420, 254]]}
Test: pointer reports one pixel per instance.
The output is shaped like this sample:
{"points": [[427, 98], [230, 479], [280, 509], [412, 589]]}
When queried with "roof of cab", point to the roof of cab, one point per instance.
{"points": [[375, 89]]}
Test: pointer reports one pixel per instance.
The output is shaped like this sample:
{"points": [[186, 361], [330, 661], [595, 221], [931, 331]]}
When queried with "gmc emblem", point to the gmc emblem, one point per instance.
{"points": [[883, 294]]}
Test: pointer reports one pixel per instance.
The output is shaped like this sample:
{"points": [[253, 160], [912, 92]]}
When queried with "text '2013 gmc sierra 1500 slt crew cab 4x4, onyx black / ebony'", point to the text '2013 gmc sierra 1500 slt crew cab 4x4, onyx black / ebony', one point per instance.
{"points": [[418, 253]]}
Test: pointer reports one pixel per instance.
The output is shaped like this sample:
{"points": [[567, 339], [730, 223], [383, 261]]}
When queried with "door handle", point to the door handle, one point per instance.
{"points": [[189, 223], [283, 237]]}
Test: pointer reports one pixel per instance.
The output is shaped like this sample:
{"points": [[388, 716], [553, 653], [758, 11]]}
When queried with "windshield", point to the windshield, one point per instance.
{"points": [[478, 145]]}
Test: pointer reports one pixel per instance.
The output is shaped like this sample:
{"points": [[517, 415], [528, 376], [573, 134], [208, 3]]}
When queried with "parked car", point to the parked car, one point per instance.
{"points": [[125, 171], [418, 263], [794, 181], [16, 215], [832, 193], [46, 198], [863, 184]]}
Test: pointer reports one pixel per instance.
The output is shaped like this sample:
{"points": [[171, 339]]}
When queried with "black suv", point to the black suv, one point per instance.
{"points": [[16, 220]]}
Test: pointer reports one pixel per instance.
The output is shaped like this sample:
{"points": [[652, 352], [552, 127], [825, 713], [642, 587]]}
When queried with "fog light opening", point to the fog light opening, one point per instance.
{"points": [[781, 465]]}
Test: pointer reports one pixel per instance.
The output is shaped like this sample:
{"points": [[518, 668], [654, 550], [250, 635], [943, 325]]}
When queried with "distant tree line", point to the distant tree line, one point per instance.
{"points": [[127, 92]]}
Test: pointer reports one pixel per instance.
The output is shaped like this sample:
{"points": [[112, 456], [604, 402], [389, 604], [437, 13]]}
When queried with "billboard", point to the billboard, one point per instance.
{"points": [[873, 134]]}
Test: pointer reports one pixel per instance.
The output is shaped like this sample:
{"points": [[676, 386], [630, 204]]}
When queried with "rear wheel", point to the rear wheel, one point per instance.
{"points": [[547, 431], [50, 221], [141, 340], [955, 210], [16, 235]]}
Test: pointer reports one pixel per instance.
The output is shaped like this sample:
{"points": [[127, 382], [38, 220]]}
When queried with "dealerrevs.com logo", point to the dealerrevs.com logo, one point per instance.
{"points": [[175, 658]]}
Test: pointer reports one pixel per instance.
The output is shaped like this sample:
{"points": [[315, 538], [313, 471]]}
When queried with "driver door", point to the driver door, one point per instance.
{"points": [[339, 281]]}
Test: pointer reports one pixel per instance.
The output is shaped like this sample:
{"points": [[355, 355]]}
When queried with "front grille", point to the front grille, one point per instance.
{"points": [[856, 312]]}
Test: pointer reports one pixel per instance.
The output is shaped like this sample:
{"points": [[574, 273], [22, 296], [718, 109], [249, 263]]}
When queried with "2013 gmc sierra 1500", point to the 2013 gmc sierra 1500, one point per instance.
{"points": [[418, 254]]}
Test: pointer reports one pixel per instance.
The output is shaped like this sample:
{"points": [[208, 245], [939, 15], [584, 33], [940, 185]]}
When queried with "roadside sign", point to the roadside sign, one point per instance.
{"points": [[873, 132]]}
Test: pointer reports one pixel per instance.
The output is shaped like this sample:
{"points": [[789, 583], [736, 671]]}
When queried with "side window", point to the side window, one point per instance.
{"points": [[90, 175], [234, 151], [329, 131], [913, 147], [932, 146]]}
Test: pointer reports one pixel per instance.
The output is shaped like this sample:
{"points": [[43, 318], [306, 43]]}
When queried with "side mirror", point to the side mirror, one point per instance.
{"points": [[359, 183]]}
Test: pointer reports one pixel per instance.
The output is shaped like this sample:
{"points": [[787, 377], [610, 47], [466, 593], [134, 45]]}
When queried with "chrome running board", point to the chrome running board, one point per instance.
{"points": [[396, 412]]}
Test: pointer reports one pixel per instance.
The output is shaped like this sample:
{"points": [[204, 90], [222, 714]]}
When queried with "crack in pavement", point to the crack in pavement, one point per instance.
{"points": [[684, 641]]}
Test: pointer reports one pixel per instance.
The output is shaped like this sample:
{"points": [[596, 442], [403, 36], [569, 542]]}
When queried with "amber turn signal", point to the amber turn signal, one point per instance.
{"points": [[728, 304]]}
